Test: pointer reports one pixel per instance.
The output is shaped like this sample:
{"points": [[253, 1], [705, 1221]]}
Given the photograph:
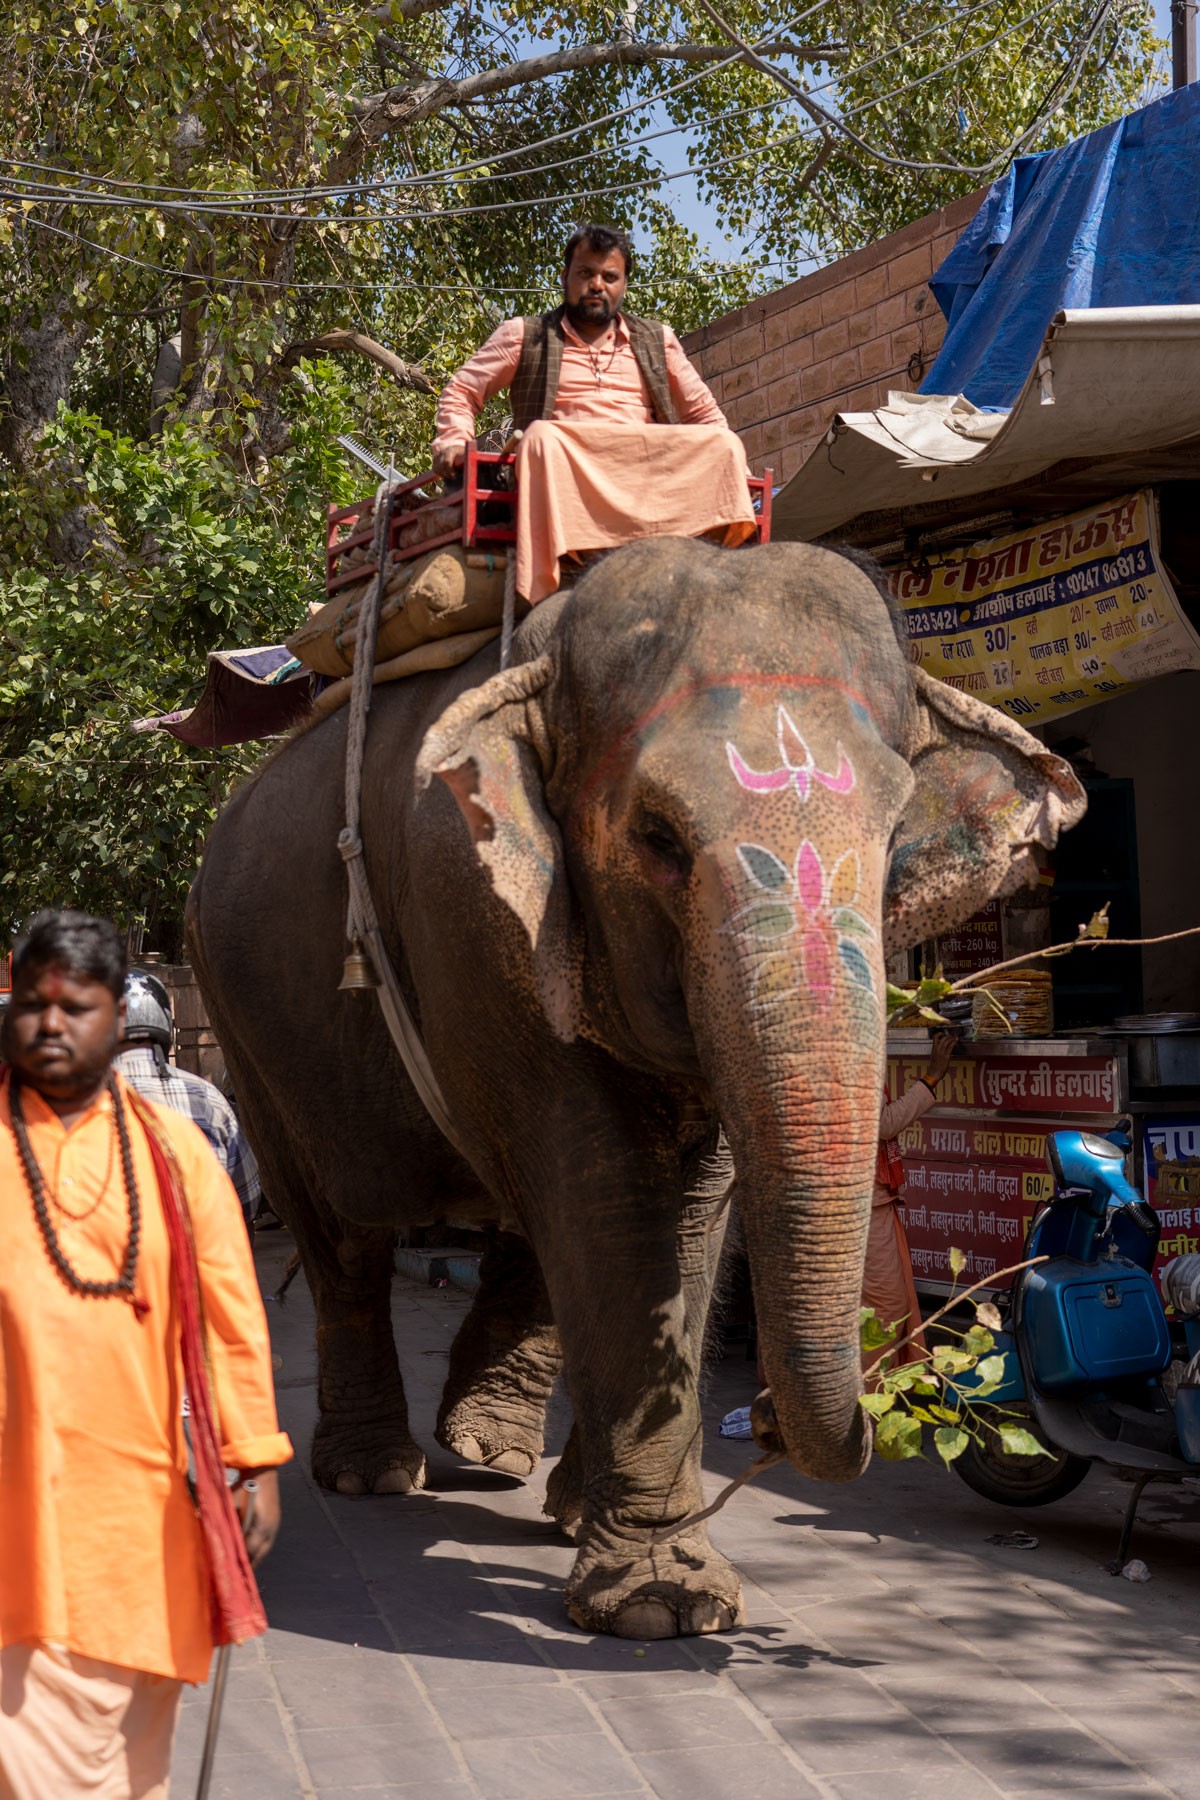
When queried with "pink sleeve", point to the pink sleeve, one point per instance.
{"points": [[900, 1114], [693, 400], [491, 368]]}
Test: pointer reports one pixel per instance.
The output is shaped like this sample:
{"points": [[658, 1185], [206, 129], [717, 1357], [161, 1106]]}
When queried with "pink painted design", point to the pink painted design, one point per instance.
{"points": [[797, 768], [805, 923]]}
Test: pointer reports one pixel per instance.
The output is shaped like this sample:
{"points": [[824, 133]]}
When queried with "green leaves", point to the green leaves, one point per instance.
{"points": [[950, 1441], [898, 1436], [91, 813], [1019, 1442]]}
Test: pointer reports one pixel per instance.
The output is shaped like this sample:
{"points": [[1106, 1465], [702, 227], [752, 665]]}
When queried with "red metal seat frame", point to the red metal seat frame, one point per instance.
{"points": [[410, 503]]}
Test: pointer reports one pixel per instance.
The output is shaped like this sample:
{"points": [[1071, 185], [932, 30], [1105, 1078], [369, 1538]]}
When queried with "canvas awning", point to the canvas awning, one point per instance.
{"points": [[1112, 402], [248, 694]]}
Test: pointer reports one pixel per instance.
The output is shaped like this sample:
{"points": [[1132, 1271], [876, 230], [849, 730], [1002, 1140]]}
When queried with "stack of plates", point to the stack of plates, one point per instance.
{"points": [[1147, 1024], [1026, 999]]}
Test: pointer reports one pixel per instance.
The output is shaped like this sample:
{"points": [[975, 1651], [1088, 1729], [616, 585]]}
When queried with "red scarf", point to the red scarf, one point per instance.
{"points": [[237, 1610], [889, 1168]]}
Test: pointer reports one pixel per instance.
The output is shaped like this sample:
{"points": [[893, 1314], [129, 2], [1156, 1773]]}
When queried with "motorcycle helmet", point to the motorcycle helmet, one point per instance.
{"points": [[147, 1009]]}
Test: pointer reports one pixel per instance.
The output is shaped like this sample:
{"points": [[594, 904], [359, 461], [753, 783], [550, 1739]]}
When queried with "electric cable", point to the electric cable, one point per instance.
{"points": [[449, 176], [455, 172], [591, 194]]}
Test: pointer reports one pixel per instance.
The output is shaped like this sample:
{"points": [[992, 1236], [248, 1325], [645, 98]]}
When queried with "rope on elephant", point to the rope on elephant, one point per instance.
{"points": [[362, 920], [510, 607], [766, 1461]]}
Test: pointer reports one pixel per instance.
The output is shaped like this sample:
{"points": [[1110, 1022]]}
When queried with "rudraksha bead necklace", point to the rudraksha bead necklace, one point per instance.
{"points": [[122, 1287]]}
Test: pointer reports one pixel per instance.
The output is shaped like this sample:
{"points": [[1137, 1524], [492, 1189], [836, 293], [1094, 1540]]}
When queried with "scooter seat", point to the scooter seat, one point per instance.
{"points": [[1180, 1281]]}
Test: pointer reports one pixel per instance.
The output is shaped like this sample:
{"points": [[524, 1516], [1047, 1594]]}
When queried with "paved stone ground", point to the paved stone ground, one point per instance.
{"points": [[419, 1650]]}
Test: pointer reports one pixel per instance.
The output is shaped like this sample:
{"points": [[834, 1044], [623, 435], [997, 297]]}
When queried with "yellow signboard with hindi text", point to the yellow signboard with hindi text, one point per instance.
{"points": [[1052, 618]]}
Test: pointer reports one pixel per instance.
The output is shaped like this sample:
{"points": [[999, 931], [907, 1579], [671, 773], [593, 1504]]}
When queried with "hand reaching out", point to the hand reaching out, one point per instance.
{"points": [[941, 1052]]}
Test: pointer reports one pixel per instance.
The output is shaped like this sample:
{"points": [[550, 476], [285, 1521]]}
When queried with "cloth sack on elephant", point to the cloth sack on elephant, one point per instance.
{"points": [[437, 596]]}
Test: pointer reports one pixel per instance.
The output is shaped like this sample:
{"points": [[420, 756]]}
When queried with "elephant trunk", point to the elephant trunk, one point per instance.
{"points": [[799, 1099]]}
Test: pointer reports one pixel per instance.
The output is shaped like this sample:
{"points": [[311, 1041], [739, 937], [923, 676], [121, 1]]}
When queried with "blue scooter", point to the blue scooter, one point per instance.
{"points": [[1087, 1342]]}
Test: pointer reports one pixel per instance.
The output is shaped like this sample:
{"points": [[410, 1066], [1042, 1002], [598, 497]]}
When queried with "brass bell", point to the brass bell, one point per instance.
{"points": [[357, 971]]}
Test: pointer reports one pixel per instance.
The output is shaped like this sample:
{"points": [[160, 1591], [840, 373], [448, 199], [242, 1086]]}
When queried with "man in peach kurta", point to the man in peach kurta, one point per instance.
{"points": [[106, 1605], [622, 439], [887, 1276]]}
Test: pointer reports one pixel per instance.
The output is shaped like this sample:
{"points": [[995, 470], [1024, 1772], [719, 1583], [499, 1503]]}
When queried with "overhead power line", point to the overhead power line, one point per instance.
{"points": [[226, 203], [655, 180], [453, 173]]}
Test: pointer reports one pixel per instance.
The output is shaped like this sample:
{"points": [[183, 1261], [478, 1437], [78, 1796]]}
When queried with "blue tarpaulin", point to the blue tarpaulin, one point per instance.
{"points": [[1112, 219]]}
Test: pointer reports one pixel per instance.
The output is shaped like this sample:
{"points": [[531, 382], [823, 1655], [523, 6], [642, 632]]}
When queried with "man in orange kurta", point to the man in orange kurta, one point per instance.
{"points": [[105, 1601], [622, 439]]}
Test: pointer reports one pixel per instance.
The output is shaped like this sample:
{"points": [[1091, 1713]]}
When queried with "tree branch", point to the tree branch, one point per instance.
{"points": [[754, 57], [406, 104], [409, 375]]}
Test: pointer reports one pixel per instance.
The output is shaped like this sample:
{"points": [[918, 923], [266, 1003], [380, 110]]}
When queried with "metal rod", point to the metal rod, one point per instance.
{"points": [[1183, 42], [249, 1493], [1139, 1486], [214, 1722]]}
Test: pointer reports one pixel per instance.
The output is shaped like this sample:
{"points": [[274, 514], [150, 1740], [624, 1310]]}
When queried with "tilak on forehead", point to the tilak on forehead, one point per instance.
{"points": [[725, 695]]}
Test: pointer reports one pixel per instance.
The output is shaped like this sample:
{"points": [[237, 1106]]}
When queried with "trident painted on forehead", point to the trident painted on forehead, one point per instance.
{"points": [[797, 767]]}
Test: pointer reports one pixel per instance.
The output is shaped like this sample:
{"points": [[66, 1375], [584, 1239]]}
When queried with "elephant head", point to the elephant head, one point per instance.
{"points": [[715, 802]]}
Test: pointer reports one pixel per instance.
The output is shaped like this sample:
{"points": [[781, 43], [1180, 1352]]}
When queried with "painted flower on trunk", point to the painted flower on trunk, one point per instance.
{"points": [[806, 922], [796, 765]]}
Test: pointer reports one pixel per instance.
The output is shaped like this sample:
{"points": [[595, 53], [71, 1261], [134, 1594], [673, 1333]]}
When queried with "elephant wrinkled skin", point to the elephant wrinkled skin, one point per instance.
{"points": [[641, 882]]}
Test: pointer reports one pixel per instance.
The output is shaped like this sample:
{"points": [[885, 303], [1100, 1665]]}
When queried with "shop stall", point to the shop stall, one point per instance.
{"points": [[1079, 615]]}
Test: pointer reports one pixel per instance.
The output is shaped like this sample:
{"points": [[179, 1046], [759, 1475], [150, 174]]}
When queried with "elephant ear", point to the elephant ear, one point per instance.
{"points": [[490, 748], [987, 797]]}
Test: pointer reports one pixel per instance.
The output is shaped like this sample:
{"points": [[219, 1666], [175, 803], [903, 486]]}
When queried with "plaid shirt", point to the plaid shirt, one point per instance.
{"points": [[146, 1069]]}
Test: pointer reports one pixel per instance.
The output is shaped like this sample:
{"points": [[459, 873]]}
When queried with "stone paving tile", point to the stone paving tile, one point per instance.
{"points": [[400, 1756], [324, 1694], [688, 1722], [574, 1768], [434, 1790], [502, 1712], [516, 1664], [1041, 1760], [889, 1744], [757, 1772], [930, 1784]]}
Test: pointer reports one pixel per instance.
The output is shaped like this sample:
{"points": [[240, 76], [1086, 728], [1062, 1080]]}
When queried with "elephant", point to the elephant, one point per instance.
{"points": [[639, 888]]}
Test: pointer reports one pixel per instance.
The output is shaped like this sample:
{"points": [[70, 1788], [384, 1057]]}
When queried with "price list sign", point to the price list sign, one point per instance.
{"points": [[1048, 620]]}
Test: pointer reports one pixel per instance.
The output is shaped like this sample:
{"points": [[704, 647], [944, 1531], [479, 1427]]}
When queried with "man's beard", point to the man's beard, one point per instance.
{"points": [[597, 309]]}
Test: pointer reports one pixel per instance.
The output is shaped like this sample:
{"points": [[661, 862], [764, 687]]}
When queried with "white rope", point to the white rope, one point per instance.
{"points": [[362, 921], [510, 606]]}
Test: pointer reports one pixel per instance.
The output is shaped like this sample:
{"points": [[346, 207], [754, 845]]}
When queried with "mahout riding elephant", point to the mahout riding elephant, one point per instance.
{"points": [[641, 882]]}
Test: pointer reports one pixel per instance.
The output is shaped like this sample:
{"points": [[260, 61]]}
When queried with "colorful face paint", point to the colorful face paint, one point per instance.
{"points": [[797, 767], [806, 924]]}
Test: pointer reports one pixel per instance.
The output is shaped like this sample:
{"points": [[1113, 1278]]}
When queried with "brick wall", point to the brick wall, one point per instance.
{"points": [[835, 341]]}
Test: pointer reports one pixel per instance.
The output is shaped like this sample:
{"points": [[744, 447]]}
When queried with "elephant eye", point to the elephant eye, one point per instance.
{"points": [[663, 843]]}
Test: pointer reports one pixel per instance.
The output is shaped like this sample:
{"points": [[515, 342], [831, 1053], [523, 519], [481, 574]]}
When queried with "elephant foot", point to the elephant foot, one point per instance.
{"points": [[564, 1490], [632, 1588], [371, 1460], [508, 1444]]}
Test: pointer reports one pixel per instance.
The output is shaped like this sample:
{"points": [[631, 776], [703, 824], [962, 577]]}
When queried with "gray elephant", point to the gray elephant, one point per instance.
{"points": [[640, 883]]}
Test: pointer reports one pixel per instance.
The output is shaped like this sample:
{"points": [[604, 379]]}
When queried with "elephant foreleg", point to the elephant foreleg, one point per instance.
{"points": [[632, 1303], [362, 1443], [503, 1363]]}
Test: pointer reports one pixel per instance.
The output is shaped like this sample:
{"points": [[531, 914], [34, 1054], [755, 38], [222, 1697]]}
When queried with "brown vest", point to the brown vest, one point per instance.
{"points": [[535, 385]]}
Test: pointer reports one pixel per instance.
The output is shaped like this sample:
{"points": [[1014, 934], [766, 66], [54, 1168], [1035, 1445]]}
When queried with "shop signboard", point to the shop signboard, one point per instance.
{"points": [[1059, 616], [1171, 1146], [975, 946], [975, 1168], [971, 1185], [1077, 1087]]}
